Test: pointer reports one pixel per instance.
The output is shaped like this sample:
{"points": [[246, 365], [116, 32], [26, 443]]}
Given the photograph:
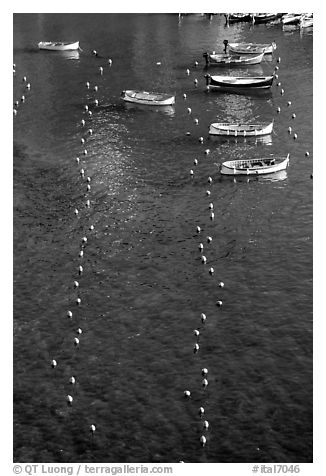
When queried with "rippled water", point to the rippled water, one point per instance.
{"points": [[144, 287]]}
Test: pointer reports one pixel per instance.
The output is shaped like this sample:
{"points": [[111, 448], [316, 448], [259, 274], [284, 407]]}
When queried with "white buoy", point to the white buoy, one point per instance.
{"points": [[282, 91], [196, 348], [24, 79], [28, 86], [191, 172], [276, 76], [204, 371], [90, 113], [196, 63], [196, 162], [295, 136], [209, 239], [187, 394], [82, 172], [293, 116], [278, 59], [211, 206], [205, 425], [15, 112], [289, 129], [196, 332], [76, 341], [207, 151], [90, 131], [69, 314], [219, 303], [92, 429], [82, 140], [212, 216], [72, 380], [203, 440], [85, 152], [76, 284], [201, 411], [81, 254], [91, 227], [307, 154], [278, 110], [16, 103], [289, 103], [53, 363], [204, 382], [79, 331], [88, 179], [203, 317], [189, 110], [196, 81], [76, 211], [101, 70], [86, 108], [279, 84], [221, 284], [80, 270], [78, 301], [88, 203], [88, 188], [110, 62], [209, 180], [22, 98], [69, 399], [83, 122], [188, 72], [96, 102], [87, 84], [94, 52], [201, 140], [211, 271], [203, 259], [184, 96], [198, 229], [84, 239], [196, 122], [276, 68]]}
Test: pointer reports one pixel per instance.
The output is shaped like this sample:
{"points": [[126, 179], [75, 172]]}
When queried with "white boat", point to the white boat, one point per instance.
{"points": [[238, 82], [291, 18], [58, 45], [222, 59], [306, 21], [258, 166], [148, 98], [240, 130], [251, 48]]}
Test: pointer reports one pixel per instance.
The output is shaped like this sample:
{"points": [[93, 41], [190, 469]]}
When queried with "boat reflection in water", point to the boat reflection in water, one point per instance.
{"points": [[263, 140], [66, 54], [167, 110], [279, 176]]}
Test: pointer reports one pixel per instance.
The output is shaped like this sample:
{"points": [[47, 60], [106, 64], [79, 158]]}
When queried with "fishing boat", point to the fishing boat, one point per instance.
{"points": [[148, 98], [58, 45], [251, 48], [258, 166], [291, 18], [238, 82], [240, 130], [223, 59], [264, 17], [237, 17], [306, 21]]}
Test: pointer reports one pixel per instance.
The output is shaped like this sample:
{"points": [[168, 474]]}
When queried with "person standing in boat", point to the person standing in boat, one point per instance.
{"points": [[225, 42]]}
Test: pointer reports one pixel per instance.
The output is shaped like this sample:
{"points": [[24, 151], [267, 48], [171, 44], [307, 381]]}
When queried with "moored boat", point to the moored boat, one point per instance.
{"points": [[306, 21], [291, 18], [238, 82], [148, 98], [257, 166], [223, 59], [240, 130], [58, 45], [237, 17], [251, 48], [264, 17]]}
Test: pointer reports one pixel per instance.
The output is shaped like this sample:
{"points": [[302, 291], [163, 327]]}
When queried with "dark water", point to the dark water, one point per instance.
{"points": [[144, 287]]}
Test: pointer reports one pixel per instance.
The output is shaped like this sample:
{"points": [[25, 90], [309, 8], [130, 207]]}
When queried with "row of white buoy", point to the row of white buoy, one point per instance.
{"points": [[27, 87]]}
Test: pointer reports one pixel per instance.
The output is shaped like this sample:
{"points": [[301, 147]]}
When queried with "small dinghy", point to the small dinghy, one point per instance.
{"points": [[238, 82], [58, 45], [291, 18], [240, 130], [259, 166], [237, 17], [148, 98], [251, 48], [223, 59], [264, 17]]}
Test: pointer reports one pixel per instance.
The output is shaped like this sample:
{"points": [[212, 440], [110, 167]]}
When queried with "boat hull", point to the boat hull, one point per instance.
{"points": [[251, 48], [237, 17], [240, 130], [238, 83], [147, 98], [58, 46], [232, 60], [264, 18], [262, 166]]}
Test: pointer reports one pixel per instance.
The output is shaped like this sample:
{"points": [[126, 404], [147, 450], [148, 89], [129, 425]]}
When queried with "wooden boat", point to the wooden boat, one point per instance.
{"points": [[237, 17], [251, 48], [238, 82], [258, 166], [240, 130], [291, 19], [223, 59], [148, 98], [58, 45], [264, 17], [306, 21]]}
